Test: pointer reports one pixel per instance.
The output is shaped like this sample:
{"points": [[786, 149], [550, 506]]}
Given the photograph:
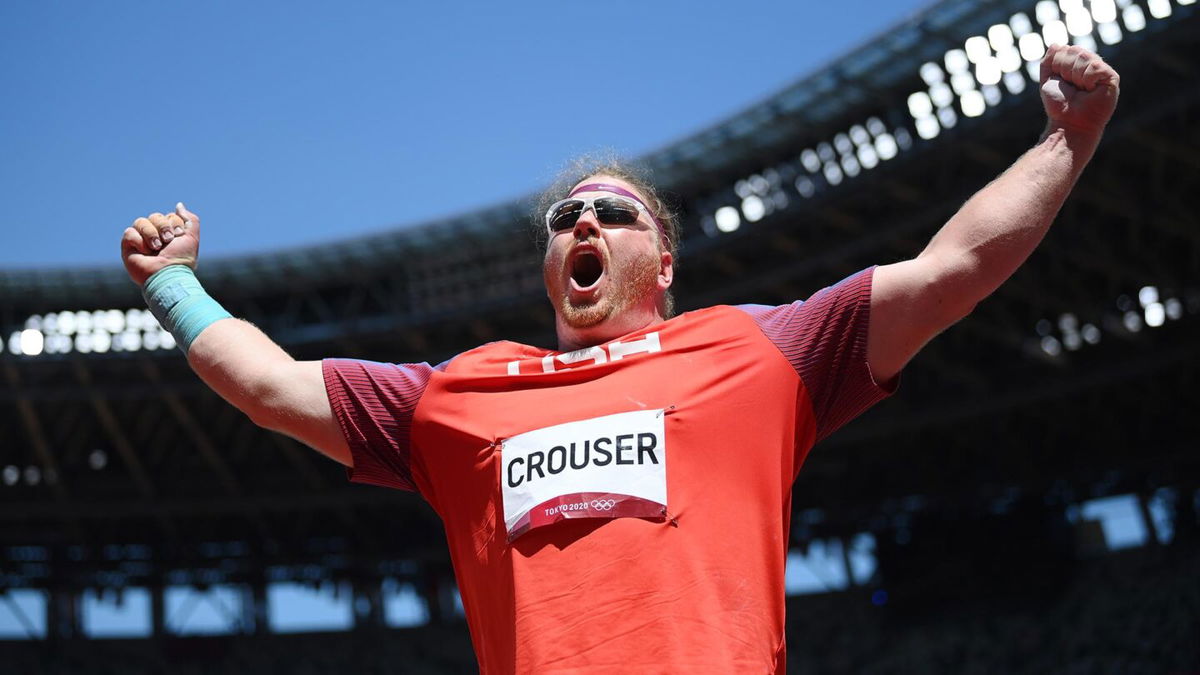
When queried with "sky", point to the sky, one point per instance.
{"points": [[284, 124]]}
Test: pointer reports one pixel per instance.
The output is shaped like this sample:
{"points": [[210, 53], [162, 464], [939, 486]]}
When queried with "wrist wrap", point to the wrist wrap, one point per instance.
{"points": [[180, 304]]}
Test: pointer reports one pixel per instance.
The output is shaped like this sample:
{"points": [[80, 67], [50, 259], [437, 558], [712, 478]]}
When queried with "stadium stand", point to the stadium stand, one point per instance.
{"points": [[1074, 383]]}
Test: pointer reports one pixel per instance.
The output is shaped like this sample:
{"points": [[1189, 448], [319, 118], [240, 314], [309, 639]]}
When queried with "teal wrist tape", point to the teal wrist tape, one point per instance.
{"points": [[180, 304]]}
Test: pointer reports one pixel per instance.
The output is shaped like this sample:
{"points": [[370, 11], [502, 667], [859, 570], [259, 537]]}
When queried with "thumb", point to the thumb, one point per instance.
{"points": [[190, 219]]}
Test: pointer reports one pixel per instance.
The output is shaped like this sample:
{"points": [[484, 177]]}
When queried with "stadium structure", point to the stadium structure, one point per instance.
{"points": [[958, 521]]}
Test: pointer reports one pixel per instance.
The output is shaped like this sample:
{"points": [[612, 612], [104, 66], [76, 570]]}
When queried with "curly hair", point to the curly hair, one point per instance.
{"points": [[609, 164]]}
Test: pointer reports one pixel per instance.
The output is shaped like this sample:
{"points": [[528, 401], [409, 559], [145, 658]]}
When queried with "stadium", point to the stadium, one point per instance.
{"points": [[1028, 502]]}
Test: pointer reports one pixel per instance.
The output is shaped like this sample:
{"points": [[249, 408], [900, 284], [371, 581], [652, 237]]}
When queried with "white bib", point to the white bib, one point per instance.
{"points": [[613, 466]]}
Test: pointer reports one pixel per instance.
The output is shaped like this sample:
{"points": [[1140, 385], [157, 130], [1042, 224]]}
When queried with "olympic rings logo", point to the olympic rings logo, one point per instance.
{"points": [[603, 504]]}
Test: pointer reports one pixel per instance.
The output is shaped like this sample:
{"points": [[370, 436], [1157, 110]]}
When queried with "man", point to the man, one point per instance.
{"points": [[622, 504]]}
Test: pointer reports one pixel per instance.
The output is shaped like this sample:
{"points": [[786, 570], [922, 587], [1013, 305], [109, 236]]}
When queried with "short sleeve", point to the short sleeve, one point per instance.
{"points": [[374, 404], [825, 340]]}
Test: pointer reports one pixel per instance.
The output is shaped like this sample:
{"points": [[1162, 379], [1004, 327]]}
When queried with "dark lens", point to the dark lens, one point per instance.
{"points": [[615, 211], [564, 217]]}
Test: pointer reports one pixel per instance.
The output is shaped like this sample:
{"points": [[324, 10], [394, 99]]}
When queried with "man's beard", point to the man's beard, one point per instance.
{"points": [[626, 286]]}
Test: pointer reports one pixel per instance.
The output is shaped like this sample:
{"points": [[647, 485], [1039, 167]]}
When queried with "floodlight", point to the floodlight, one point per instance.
{"points": [[1174, 308], [1010, 58], [150, 340], [868, 157], [727, 219], [1020, 24], [1155, 314], [941, 95], [1034, 70], [33, 475], [987, 71], [885, 145], [1046, 11], [976, 48], [742, 189], [1051, 345], [66, 323], [167, 341], [991, 94], [875, 126], [83, 343], [32, 342], [850, 165], [1069, 6], [753, 208], [1132, 321], [805, 187], [825, 152], [1159, 9], [1090, 333], [1014, 82], [83, 322], [114, 321], [1085, 41], [962, 83], [932, 73], [1055, 33], [1147, 295], [859, 135], [972, 104], [1032, 48], [810, 161], [1000, 36], [1104, 11], [101, 341], [1134, 18], [833, 173], [919, 106], [97, 459], [1110, 33], [11, 475], [759, 184], [50, 322], [842, 143], [1079, 23], [947, 117], [956, 61]]}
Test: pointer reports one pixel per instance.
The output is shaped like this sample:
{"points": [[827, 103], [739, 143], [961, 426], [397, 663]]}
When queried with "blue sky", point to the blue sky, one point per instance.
{"points": [[291, 123]]}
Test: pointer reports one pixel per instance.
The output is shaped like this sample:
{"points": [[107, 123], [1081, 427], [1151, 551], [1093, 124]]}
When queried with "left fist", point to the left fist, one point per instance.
{"points": [[1079, 90]]}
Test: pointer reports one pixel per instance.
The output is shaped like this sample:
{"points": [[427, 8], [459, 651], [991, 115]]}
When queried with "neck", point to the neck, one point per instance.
{"points": [[571, 338]]}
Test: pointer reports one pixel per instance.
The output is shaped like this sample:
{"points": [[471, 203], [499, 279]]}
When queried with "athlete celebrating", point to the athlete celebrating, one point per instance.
{"points": [[621, 504]]}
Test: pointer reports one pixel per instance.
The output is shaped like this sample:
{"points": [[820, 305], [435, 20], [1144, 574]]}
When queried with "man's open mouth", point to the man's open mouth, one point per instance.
{"points": [[586, 269]]}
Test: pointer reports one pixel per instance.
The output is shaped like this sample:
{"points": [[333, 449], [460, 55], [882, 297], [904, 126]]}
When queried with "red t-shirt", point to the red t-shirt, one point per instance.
{"points": [[693, 429]]}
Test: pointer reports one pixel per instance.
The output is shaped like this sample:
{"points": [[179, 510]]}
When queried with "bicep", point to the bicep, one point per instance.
{"points": [[300, 408], [911, 302]]}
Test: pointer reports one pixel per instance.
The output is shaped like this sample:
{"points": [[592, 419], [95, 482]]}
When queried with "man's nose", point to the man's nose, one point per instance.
{"points": [[587, 225]]}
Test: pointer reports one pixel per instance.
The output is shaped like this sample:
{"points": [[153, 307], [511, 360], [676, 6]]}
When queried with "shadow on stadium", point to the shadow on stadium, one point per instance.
{"points": [[1026, 503]]}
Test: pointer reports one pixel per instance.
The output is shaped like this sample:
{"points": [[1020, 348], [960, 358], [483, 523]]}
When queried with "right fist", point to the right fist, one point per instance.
{"points": [[156, 241]]}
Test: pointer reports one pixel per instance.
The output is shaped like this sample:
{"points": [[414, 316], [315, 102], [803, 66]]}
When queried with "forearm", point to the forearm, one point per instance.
{"points": [[997, 229], [242, 365]]}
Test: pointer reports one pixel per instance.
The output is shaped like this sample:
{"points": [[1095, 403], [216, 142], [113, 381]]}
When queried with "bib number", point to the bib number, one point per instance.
{"points": [[613, 466]]}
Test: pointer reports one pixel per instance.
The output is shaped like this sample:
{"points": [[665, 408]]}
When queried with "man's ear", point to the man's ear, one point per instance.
{"points": [[666, 270]]}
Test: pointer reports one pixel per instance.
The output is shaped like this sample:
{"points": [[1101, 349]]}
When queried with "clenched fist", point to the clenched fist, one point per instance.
{"points": [[156, 241], [1079, 90]]}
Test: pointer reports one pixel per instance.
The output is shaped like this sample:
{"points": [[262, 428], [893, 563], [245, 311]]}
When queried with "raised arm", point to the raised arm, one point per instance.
{"points": [[233, 357], [997, 229]]}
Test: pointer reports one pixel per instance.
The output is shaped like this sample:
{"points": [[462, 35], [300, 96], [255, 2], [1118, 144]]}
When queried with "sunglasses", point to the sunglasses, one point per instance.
{"points": [[609, 210]]}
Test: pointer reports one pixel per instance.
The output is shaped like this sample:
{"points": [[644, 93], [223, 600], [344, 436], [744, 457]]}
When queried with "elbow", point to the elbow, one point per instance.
{"points": [[954, 287]]}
